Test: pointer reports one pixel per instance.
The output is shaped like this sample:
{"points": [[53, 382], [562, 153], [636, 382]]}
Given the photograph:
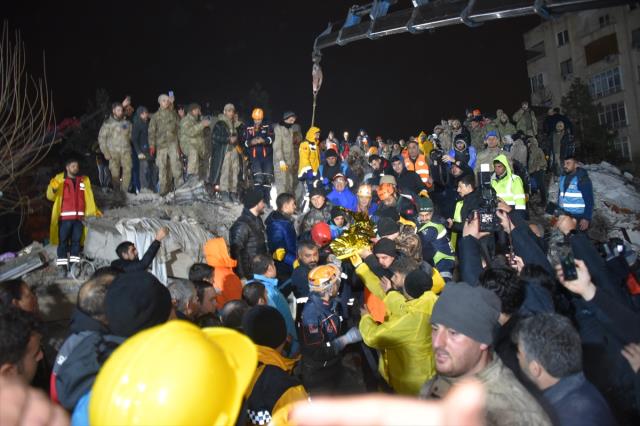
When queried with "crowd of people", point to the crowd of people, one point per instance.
{"points": [[453, 289]]}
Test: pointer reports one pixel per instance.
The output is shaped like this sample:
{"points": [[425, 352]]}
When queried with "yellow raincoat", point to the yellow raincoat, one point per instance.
{"points": [[309, 153], [55, 195]]}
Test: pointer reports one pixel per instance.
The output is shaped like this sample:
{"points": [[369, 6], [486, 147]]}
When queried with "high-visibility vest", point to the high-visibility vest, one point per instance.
{"points": [[571, 200], [457, 217], [73, 203], [420, 166], [441, 244], [511, 191]]}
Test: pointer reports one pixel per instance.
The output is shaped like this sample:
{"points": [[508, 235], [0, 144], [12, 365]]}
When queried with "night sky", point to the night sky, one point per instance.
{"points": [[218, 50]]}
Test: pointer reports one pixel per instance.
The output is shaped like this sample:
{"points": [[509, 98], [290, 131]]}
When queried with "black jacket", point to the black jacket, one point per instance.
{"points": [[409, 181], [247, 239], [470, 202], [138, 264], [140, 137]]}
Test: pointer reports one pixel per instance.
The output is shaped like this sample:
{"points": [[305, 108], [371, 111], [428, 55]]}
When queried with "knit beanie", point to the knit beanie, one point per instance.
{"points": [[472, 311], [417, 282], [336, 211], [387, 226], [385, 246], [136, 301], [330, 153], [317, 191], [252, 198], [265, 326]]}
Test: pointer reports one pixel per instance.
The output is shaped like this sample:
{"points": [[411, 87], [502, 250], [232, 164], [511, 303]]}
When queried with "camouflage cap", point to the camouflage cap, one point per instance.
{"points": [[163, 97]]}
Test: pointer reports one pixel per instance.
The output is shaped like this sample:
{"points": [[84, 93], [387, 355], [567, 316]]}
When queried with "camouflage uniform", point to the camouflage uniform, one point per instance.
{"points": [[163, 136], [115, 143], [192, 143], [284, 152]]}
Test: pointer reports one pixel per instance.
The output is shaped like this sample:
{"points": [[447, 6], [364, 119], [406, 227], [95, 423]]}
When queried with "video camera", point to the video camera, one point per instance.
{"points": [[489, 221]]}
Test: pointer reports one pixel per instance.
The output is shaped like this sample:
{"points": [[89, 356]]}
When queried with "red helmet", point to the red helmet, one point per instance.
{"points": [[321, 234]]}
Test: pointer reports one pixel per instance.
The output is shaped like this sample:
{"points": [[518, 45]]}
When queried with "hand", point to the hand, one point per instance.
{"points": [[516, 263], [504, 206], [126, 102], [447, 158], [141, 157], [583, 224], [566, 224], [472, 227], [464, 404], [98, 213], [279, 254], [24, 405], [632, 353], [152, 150], [386, 284], [162, 233], [365, 252], [582, 286], [54, 183], [356, 260], [106, 156], [449, 222], [206, 122], [505, 221], [283, 166]]}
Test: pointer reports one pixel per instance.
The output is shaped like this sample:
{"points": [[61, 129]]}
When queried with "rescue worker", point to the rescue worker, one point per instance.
{"points": [[365, 201], [309, 161], [508, 185], [575, 193], [284, 154], [225, 160], [259, 147], [416, 162], [436, 247], [114, 139], [163, 143], [192, 140], [407, 180], [525, 120], [492, 150], [72, 198], [322, 339]]}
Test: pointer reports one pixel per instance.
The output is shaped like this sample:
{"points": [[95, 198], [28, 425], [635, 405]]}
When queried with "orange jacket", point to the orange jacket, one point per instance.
{"points": [[225, 280], [420, 166]]}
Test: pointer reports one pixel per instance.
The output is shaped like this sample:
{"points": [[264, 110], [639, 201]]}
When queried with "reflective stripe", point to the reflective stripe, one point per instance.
{"points": [[69, 213], [570, 195], [62, 262], [574, 205], [302, 299], [422, 171]]}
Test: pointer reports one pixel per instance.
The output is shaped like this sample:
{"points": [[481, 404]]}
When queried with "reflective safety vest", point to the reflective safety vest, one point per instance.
{"points": [[570, 200], [73, 203], [457, 217], [511, 190], [419, 166], [441, 243]]}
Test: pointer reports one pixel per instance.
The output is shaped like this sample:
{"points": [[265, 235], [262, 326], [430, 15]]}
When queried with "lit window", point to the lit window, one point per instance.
{"points": [[605, 83]]}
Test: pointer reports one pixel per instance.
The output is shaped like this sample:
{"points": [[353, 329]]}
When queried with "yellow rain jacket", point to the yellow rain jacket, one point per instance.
{"points": [[309, 153], [404, 341], [90, 208]]}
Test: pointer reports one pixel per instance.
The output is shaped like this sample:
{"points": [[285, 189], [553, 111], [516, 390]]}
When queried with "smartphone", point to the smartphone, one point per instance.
{"points": [[171, 94], [568, 264]]}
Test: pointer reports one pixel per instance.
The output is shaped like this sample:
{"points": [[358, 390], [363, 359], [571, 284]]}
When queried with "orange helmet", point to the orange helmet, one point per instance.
{"points": [[323, 276], [257, 114], [364, 191], [385, 190], [476, 113]]}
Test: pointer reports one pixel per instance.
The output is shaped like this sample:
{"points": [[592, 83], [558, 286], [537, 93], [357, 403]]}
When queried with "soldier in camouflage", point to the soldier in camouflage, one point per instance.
{"points": [[191, 137], [163, 143], [284, 154], [115, 143]]}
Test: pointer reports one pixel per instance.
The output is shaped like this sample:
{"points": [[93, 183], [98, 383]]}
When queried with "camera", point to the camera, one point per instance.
{"points": [[489, 221], [436, 155], [568, 265]]}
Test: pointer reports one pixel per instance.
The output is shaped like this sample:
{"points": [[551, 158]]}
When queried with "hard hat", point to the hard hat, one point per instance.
{"points": [[257, 114], [323, 276], [321, 234], [385, 190], [174, 373], [476, 113], [364, 191]]}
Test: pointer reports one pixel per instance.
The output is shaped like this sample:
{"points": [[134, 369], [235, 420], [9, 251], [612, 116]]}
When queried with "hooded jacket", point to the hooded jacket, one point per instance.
{"points": [[404, 341], [537, 159], [309, 155], [225, 280], [345, 199], [140, 133], [247, 239], [575, 194], [55, 195], [468, 155], [281, 234], [509, 187]]}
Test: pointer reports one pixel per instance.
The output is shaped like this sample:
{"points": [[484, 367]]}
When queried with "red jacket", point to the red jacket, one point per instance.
{"points": [[73, 203]]}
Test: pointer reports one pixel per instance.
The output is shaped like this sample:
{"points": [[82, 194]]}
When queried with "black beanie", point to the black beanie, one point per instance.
{"points": [[417, 282], [136, 301], [331, 153], [387, 226], [385, 246], [265, 326], [317, 191], [252, 198], [336, 211]]}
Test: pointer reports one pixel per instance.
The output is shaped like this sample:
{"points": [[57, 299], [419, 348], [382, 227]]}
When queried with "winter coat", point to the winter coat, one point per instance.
{"points": [[518, 151], [345, 199], [537, 159], [90, 208], [505, 127], [138, 264], [509, 187], [140, 135], [265, 131], [321, 324], [115, 137], [420, 166], [314, 216], [247, 239], [487, 155], [467, 156], [282, 234], [477, 136], [309, 156], [409, 181], [526, 122], [283, 149], [226, 282], [576, 188], [191, 134], [273, 386], [163, 129], [404, 341]]}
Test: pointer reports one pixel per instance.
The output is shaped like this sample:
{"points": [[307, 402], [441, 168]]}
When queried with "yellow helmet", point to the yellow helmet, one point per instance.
{"points": [[177, 374], [365, 190], [257, 114], [321, 277]]}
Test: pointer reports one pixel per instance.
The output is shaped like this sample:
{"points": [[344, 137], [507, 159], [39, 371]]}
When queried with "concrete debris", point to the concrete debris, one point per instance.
{"points": [[28, 259]]}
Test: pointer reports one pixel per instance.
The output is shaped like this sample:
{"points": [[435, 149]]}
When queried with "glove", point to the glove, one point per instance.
{"points": [[351, 336], [152, 150], [424, 193], [98, 213], [356, 260], [325, 181], [283, 166], [141, 157], [279, 254], [55, 184]]}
